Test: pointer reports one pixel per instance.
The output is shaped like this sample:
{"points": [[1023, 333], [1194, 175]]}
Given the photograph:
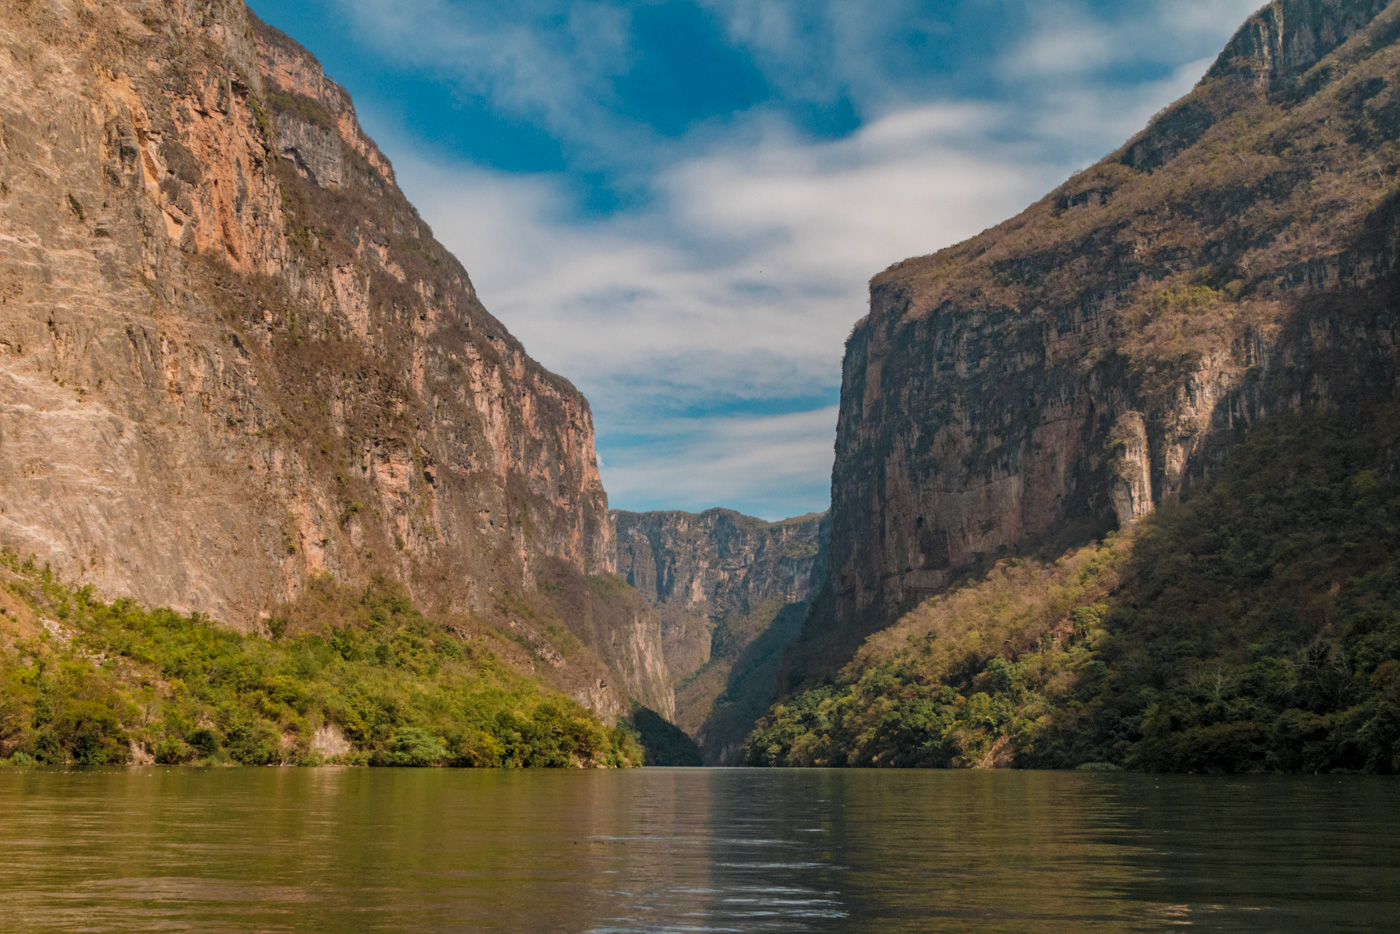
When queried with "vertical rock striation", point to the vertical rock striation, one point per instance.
{"points": [[712, 566], [730, 592], [1070, 369]]}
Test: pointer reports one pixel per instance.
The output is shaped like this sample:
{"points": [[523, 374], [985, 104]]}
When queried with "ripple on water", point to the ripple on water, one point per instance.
{"points": [[703, 851]]}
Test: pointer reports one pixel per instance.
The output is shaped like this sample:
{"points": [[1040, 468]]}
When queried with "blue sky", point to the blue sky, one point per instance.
{"points": [[678, 204]]}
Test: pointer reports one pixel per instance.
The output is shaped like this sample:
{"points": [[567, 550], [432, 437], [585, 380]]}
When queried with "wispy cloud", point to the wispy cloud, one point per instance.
{"points": [[543, 59], [706, 322], [818, 50], [745, 275], [1068, 38], [773, 467]]}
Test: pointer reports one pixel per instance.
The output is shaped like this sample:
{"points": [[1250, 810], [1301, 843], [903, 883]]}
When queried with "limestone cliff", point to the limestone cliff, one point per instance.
{"points": [[730, 592], [233, 357], [1071, 369]]}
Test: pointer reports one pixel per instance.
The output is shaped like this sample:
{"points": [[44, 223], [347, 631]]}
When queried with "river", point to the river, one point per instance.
{"points": [[662, 850]]}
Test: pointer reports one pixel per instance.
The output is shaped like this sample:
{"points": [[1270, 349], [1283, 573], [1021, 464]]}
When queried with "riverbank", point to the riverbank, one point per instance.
{"points": [[344, 676]]}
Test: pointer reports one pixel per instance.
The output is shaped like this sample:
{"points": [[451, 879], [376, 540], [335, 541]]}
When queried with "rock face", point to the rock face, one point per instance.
{"points": [[1071, 369], [713, 566], [231, 354], [730, 592]]}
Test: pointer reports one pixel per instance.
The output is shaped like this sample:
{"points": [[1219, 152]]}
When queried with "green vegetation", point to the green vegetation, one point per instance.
{"points": [[349, 676], [309, 110], [728, 694], [664, 742], [799, 549], [1253, 627]]}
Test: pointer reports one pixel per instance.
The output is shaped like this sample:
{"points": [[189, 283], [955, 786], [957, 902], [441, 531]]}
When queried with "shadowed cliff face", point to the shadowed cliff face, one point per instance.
{"points": [[730, 592], [232, 356], [1067, 371]]}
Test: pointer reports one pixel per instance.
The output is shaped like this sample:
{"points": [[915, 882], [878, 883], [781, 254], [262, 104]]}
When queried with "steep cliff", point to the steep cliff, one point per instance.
{"points": [[1070, 370], [233, 358], [730, 593]]}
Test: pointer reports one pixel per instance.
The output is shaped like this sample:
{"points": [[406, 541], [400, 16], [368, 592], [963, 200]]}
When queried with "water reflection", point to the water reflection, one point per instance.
{"points": [[696, 851]]}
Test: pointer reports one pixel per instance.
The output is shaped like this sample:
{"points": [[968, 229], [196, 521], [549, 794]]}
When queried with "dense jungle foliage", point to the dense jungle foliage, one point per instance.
{"points": [[664, 743], [349, 676], [1255, 626]]}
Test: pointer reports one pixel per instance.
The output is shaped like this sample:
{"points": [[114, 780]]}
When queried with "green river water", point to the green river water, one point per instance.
{"points": [[352, 850]]}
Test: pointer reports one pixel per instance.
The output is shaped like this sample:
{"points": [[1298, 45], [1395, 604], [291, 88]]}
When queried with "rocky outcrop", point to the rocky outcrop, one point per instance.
{"points": [[1066, 372], [730, 592], [1286, 38], [232, 356]]}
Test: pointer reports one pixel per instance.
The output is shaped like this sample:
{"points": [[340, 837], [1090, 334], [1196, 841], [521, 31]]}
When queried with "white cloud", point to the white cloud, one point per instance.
{"points": [[1067, 39], [547, 60], [760, 252], [736, 284], [770, 466]]}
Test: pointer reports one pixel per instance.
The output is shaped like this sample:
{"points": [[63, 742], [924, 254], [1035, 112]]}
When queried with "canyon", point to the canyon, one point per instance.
{"points": [[730, 593], [235, 364], [239, 375]]}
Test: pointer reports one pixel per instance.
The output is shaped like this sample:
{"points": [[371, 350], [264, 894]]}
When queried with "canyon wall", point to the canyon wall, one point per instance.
{"points": [[233, 357], [730, 592], [1068, 371]]}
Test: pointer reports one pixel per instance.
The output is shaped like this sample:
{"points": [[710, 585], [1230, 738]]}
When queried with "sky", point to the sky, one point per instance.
{"points": [[679, 204]]}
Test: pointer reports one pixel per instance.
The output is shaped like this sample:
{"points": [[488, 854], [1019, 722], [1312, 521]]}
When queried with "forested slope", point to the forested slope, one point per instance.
{"points": [[348, 675], [1253, 626]]}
